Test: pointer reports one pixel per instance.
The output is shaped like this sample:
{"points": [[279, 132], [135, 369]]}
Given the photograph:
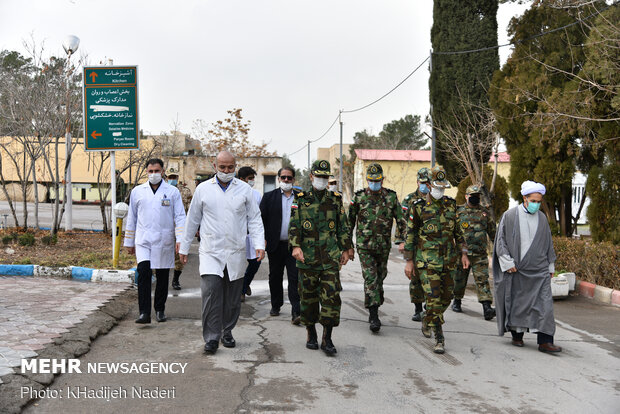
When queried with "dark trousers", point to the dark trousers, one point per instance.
{"points": [[221, 305], [144, 287], [278, 260], [250, 272], [543, 338]]}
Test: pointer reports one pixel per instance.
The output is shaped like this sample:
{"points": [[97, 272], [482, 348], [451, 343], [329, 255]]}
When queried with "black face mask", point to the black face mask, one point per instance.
{"points": [[474, 199]]}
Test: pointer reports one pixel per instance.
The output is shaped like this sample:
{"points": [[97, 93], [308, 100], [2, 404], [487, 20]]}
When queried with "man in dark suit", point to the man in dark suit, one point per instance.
{"points": [[275, 209]]}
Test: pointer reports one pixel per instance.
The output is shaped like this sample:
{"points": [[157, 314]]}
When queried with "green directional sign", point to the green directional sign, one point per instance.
{"points": [[111, 108]]}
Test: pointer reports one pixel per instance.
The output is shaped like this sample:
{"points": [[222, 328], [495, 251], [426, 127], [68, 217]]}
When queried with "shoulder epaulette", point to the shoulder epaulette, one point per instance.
{"points": [[360, 191], [337, 194], [418, 201], [300, 194], [390, 190]]}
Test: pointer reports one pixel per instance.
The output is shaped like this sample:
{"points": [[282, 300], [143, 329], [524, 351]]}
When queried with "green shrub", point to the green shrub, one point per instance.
{"points": [[7, 239], [15, 236], [26, 239], [603, 188], [595, 262], [49, 240]]}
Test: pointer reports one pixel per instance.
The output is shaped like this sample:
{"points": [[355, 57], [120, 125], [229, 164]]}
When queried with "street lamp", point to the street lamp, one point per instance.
{"points": [[70, 44]]}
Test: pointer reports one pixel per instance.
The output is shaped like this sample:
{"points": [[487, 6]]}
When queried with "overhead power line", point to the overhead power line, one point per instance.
{"points": [[457, 52]]}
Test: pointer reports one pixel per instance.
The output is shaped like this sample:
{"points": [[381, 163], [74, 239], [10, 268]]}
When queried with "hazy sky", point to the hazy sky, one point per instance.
{"points": [[290, 64]]}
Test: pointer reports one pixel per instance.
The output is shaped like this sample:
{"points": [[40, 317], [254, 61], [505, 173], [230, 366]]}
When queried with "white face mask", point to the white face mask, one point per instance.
{"points": [[155, 178], [225, 177], [320, 183], [286, 187], [437, 193], [333, 187], [251, 183]]}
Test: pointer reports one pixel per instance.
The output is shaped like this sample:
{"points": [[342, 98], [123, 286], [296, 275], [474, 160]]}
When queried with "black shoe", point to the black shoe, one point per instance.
{"points": [[248, 291], [375, 323], [456, 306], [326, 344], [489, 312], [274, 312], [160, 316], [211, 347], [175, 280], [228, 341], [418, 313], [313, 341], [144, 318], [295, 318]]}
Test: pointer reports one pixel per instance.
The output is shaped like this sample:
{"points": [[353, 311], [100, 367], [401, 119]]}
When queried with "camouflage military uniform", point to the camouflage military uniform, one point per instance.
{"points": [[436, 239], [319, 227], [476, 223], [373, 213], [186, 196], [416, 293]]}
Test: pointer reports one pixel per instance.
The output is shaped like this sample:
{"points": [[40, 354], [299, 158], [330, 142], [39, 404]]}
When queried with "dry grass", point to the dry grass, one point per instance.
{"points": [[85, 249]]}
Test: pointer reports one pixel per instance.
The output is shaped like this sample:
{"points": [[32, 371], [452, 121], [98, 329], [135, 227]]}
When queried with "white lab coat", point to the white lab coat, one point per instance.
{"points": [[225, 218], [250, 250], [154, 223]]}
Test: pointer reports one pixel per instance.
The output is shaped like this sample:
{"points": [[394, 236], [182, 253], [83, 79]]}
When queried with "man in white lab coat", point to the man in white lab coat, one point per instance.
{"points": [[226, 212], [155, 221]]}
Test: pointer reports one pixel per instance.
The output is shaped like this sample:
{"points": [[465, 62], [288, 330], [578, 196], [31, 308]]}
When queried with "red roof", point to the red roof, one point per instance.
{"points": [[409, 155]]}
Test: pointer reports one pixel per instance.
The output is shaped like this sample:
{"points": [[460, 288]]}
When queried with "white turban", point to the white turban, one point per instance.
{"points": [[529, 187]]}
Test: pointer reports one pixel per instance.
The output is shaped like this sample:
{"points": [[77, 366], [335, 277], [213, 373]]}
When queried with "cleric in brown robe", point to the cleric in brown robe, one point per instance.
{"points": [[523, 264]]}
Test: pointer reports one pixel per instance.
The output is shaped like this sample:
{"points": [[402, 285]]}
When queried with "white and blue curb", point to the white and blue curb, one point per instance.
{"points": [[70, 272]]}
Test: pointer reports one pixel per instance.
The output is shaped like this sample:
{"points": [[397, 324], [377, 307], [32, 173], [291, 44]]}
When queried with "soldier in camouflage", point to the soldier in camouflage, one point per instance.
{"points": [[476, 223], [416, 293], [434, 240], [186, 197], [373, 210], [319, 236]]}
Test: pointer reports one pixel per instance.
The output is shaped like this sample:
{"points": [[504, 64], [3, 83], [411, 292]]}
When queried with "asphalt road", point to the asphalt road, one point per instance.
{"points": [[270, 370], [85, 217]]}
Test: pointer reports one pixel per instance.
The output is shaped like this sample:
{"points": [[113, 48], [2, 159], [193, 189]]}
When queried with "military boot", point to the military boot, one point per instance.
{"points": [[175, 280], [418, 313], [456, 306], [313, 341], [426, 330], [489, 312], [439, 340], [326, 344], [375, 323]]}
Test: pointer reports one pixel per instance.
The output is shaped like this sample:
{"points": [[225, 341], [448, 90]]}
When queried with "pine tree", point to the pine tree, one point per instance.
{"points": [[461, 25]]}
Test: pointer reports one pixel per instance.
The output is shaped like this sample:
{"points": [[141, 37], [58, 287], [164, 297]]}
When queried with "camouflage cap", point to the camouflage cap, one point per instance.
{"points": [[423, 175], [320, 167], [374, 172], [439, 178], [473, 189]]}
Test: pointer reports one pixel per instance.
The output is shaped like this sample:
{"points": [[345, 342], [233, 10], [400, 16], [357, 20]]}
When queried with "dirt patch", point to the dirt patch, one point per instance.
{"points": [[87, 249]]}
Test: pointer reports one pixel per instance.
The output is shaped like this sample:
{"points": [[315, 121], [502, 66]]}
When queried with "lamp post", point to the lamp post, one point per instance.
{"points": [[70, 44]]}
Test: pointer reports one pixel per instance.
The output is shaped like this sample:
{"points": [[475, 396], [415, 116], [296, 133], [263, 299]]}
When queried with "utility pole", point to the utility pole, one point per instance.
{"points": [[308, 156], [341, 162], [433, 134]]}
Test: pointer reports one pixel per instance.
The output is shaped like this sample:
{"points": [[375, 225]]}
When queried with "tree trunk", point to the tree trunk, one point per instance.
{"points": [[6, 194], [576, 217], [35, 192]]}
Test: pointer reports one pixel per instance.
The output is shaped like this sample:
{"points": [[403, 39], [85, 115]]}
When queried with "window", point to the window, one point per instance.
{"points": [[269, 183]]}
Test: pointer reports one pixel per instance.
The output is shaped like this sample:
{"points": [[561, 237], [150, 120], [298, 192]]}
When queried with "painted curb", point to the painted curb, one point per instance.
{"points": [[73, 272], [586, 289], [17, 270], [615, 298], [603, 294]]}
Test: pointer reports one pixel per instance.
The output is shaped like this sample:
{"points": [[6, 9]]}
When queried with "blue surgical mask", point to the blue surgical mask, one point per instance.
{"points": [[173, 182], [532, 207], [374, 185], [424, 188]]}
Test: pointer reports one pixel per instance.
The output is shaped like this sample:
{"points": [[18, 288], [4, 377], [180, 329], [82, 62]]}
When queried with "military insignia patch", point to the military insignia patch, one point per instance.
{"points": [[323, 165], [294, 206], [364, 213], [464, 224], [300, 194], [307, 204], [307, 225], [373, 170], [441, 176], [431, 227], [331, 224]]}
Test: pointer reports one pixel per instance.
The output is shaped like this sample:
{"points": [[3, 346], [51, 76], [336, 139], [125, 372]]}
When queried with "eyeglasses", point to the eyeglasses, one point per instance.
{"points": [[286, 178]]}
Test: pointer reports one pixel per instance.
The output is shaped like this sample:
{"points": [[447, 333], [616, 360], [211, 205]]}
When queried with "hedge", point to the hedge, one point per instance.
{"points": [[595, 262]]}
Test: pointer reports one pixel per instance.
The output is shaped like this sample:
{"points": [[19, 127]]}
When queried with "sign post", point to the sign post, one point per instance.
{"points": [[111, 116]]}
